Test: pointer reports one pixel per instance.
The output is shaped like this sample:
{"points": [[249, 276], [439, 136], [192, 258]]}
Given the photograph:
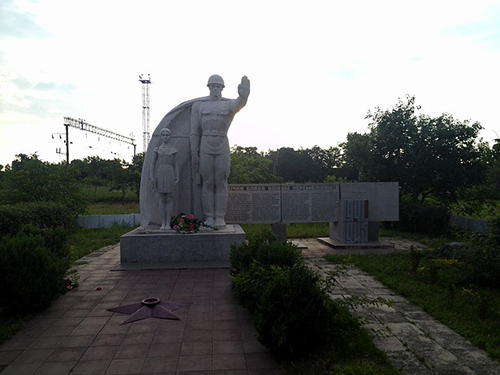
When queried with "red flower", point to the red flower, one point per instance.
{"points": [[190, 217]]}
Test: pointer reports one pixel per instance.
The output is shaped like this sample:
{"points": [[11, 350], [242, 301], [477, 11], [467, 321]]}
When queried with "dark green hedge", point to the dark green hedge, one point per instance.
{"points": [[33, 267], [423, 218], [39, 214], [293, 314]]}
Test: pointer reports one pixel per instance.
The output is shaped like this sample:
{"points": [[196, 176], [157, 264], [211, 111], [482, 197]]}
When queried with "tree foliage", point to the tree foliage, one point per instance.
{"points": [[484, 197], [304, 165], [248, 166], [29, 179], [428, 156], [116, 174]]}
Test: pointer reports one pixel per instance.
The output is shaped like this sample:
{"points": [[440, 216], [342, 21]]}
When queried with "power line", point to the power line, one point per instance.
{"points": [[85, 126]]}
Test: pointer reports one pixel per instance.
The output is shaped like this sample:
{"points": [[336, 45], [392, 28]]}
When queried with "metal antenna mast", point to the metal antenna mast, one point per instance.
{"points": [[145, 110]]}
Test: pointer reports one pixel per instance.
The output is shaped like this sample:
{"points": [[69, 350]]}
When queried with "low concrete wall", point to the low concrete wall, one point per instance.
{"points": [[469, 224], [106, 221], [134, 220]]}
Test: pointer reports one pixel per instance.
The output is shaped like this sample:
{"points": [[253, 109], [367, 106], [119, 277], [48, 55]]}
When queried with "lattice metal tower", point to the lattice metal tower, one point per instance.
{"points": [[145, 110]]}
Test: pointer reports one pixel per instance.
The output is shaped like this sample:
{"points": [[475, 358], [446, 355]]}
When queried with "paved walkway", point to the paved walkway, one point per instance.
{"points": [[78, 334], [415, 343]]}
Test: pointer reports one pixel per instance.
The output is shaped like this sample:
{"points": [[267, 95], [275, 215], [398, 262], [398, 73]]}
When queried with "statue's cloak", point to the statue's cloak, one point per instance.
{"points": [[187, 196]]}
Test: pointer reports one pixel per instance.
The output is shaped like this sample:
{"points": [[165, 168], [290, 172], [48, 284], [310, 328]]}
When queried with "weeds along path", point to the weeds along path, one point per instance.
{"points": [[415, 343]]}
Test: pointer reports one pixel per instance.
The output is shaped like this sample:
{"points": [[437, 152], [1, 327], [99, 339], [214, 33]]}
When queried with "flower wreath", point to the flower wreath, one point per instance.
{"points": [[186, 224]]}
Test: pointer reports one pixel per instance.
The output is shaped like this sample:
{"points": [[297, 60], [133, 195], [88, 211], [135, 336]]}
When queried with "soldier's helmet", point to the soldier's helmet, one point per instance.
{"points": [[215, 79]]}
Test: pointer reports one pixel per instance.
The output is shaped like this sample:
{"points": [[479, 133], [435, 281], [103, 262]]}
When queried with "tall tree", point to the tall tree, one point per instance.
{"points": [[427, 156], [248, 166], [304, 165]]}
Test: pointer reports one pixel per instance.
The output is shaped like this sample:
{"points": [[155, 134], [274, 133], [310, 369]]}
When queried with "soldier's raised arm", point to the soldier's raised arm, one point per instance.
{"points": [[243, 93]]}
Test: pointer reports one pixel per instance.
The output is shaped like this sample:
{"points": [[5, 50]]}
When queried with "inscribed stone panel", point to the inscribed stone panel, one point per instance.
{"points": [[309, 202], [254, 203]]}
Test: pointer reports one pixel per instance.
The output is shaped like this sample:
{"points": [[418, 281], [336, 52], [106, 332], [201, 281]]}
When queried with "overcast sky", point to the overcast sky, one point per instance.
{"points": [[316, 67]]}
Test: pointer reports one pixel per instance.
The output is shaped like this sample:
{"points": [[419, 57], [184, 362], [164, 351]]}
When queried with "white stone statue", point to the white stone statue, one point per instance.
{"points": [[164, 174], [210, 155], [199, 133]]}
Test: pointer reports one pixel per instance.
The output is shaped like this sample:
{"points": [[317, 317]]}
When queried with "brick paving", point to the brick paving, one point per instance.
{"points": [[78, 335], [414, 342]]}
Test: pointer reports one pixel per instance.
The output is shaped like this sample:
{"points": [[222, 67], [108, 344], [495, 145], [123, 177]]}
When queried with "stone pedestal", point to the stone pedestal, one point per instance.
{"points": [[169, 249]]}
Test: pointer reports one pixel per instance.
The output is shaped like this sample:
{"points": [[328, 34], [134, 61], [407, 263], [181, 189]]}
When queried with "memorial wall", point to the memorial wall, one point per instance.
{"points": [[302, 203], [383, 198], [287, 203]]}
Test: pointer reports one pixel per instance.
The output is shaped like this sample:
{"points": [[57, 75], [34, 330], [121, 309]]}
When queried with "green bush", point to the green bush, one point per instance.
{"points": [[248, 285], [266, 250], [295, 317], [40, 214], [494, 231], [31, 275], [242, 255], [484, 265], [31, 180], [54, 238], [479, 256], [423, 218]]}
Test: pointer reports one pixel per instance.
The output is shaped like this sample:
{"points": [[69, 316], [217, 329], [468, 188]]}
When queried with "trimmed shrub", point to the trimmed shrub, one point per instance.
{"points": [[31, 275], [54, 238], [484, 262], [248, 285], [295, 317], [266, 250], [39, 214], [242, 255], [292, 313]]}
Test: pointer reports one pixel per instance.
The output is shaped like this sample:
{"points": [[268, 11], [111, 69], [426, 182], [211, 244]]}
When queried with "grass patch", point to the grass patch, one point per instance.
{"points": [[85, 241], [294, 230], [437, 287], [433, 242], [10, 324], [103, 195], [307, 230], [254, 229], [354, 354]]}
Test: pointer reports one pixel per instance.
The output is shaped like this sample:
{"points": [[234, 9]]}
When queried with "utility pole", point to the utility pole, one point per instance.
{"points": [[145, 110], [67, 143]]}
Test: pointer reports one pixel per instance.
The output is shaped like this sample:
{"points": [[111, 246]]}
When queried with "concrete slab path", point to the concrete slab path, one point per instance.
{"points": [[415, 343], [78, 335]]}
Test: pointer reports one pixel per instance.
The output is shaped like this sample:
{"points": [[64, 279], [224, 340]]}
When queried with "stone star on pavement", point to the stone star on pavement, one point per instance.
{"points": [[150, 308]]}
